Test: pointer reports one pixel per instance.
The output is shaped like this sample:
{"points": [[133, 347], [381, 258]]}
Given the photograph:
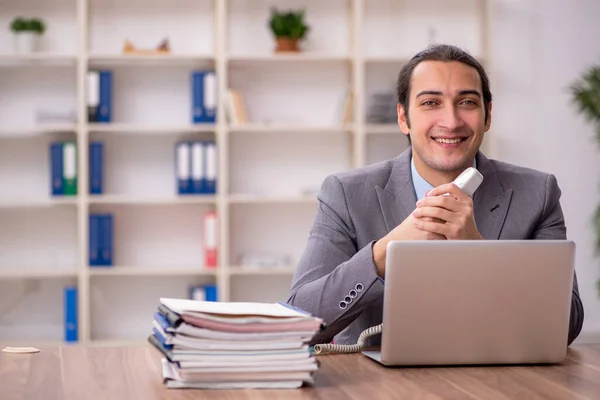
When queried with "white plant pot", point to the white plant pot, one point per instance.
{"points": [[27, 42]]}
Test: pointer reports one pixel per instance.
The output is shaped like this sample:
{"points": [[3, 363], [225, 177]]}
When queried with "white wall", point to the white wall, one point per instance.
{"points": [[540, 48]]}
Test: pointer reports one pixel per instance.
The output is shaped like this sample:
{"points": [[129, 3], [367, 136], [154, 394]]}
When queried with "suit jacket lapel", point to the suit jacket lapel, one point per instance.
{"points": [[490, 201], [397, 199]]}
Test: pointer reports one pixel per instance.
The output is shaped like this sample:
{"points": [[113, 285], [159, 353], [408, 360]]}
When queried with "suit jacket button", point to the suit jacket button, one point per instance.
{"points": [[359, 287], [343, 305], [353, 293]]}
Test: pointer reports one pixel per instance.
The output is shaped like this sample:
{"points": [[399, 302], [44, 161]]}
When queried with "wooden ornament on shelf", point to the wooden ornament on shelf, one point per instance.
{"points": [[163, 48]]}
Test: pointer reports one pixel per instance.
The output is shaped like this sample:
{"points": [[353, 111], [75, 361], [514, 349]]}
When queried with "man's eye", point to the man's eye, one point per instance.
{"points": [[470, 102], [428, 103]]}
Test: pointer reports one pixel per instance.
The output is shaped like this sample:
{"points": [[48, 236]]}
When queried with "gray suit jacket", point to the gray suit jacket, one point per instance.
{"points": [[358, 207]]}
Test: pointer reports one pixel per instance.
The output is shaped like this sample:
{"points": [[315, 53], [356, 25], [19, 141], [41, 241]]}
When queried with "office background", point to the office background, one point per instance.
{"points": [[283, 122]]}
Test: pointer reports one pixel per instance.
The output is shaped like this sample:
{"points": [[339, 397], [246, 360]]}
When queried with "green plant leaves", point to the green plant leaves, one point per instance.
{"points": [[586, 96], [20, 24], [288, 24], [596, 222]]}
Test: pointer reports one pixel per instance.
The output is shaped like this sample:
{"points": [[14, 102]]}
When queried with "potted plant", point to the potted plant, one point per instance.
{"points": [[586, 95], [27, 34], [288, 28]]}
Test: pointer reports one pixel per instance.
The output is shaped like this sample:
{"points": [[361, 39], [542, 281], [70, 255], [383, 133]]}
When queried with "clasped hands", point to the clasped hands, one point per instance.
{"points": [[437, 217], [448, 217]]}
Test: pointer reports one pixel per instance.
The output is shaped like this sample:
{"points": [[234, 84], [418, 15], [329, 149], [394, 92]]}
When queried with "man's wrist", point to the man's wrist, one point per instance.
{"points": [[379, 249]]}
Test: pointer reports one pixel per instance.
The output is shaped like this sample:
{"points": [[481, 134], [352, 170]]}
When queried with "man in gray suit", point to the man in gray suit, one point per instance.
{"points": [[444, 106]]}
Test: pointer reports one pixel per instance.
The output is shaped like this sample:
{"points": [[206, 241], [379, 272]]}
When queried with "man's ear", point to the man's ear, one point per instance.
{"points": [[403, 120], [488, 123]]}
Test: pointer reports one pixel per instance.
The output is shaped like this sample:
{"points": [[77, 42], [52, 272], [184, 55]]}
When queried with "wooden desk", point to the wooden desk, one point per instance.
{"points": [[133, 373]]}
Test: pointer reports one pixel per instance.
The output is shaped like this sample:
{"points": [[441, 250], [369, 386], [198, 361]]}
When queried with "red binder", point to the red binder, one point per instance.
{"points": [[211, 235]]}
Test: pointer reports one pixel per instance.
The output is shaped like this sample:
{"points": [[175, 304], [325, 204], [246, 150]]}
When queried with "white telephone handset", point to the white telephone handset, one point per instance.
{"points": [[468, 181]]}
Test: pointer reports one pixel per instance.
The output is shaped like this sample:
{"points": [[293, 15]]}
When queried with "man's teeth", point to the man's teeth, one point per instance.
{"points": [[448, 140]]}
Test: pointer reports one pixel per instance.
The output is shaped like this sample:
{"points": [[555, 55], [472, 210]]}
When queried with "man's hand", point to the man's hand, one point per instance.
{"points": [[454, 214], [405, 231]]}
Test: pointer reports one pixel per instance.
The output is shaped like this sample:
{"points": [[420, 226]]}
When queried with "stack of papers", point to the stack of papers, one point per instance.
{"points": [[219, 345]]}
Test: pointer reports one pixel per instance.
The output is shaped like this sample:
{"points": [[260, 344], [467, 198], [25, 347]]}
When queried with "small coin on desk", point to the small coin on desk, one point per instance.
{"points": [[21, 350]]}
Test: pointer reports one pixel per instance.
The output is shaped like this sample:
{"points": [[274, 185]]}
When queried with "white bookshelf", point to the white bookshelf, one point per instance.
{"points": [[270, 169], [141, 129]]}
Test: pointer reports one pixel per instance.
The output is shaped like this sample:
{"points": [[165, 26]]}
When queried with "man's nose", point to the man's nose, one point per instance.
{"points": [[450, 119]]}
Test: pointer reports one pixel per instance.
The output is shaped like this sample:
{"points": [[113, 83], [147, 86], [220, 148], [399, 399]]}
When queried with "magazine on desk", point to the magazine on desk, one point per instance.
{"points": [[212, 345]]}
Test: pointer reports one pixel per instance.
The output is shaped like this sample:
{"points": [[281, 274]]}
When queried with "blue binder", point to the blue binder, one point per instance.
{"points": [[204, 96], [94, 247], [211, 292], [162, 321], [211, 168], [106, 240], [183, 167], [161, 339], [56, 168], [198, 168], [70, 315], [105, 104], [96, 167]]}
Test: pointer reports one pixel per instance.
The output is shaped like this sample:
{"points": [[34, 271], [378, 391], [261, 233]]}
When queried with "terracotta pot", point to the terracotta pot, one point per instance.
{"points": [[287, 44]]}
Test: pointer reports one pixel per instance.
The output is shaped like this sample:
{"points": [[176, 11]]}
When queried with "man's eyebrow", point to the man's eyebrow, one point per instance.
{"points": [[429, 92], [463, 92], [469, 91]]}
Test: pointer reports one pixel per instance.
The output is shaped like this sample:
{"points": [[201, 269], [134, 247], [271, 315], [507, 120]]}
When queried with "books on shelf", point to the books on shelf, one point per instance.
{"points": [[204, 96], [100, 96], [346, 108], [210, 237], [231, 345], [96, 167], [70, 313], [196, 167], [63, 168], [101, 240], [203, 293], [235, 108]]}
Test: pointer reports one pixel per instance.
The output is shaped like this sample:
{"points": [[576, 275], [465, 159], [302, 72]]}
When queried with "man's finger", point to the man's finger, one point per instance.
{"points": [[434, 213], [433, 227], [446, 202], [448, 188]]}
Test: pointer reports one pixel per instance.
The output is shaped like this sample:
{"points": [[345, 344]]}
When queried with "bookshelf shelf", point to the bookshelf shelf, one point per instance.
{"points": [[38, 203], [304, 127], [150, 271], [241, 270], [37, 59], [248, 199], [35, 130], [150, 200], [37, 273], [107, 60], [133, 128], [288, 128]]}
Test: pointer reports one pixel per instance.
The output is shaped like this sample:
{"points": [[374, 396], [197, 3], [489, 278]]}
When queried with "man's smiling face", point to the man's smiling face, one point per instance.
{"points": [[446, 116]]}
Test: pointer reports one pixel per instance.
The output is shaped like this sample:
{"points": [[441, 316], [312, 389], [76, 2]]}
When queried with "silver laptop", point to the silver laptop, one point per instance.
{"points": [[476, 302]]}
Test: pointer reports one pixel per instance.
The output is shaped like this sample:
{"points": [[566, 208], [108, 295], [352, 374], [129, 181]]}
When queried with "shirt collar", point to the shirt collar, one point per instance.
{"points": [[420, 185]]}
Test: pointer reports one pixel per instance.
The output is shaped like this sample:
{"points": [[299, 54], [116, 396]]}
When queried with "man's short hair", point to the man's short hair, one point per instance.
{"points": [[444, 53]]}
